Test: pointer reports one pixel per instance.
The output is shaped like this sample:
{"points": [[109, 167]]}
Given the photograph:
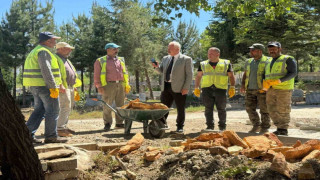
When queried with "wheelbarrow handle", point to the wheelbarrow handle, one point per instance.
{"points": [[95, 99]]}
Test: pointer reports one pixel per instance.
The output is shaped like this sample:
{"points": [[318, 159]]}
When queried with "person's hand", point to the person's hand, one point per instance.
{"points": [[265, 85], [155, 65], [128, 88], [273, 82], [184, 91], [76, 96], [262, 91], [242, 89], [232, 91], [196, 92], [62, 89], [54, 93], [100, 90]]}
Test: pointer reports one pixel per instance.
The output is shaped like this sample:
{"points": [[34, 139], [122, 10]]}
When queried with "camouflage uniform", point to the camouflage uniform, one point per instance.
{"points": [[279, 107], [253, 100]]}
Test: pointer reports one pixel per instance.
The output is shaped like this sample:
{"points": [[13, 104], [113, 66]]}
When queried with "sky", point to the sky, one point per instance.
{"points": [[65, 9]]}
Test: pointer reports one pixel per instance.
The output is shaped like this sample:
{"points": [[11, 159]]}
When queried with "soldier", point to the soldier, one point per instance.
{"points": [[252, 85], [279, 83]]}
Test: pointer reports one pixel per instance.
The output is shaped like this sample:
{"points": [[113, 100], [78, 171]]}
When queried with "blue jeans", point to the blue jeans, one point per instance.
{"points": [[44, 107]]}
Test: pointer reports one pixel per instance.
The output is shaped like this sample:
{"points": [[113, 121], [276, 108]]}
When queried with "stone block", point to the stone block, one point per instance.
{"points": [[73, 174], [86, 146], [314, 143], [62, 164], [235, 150], [258, 142], [298, 152], [110, 146], [315, 154], [56, 154], [48, 147], [280, 165]]}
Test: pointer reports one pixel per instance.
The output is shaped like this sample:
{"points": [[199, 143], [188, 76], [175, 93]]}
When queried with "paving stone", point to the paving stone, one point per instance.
{"points": [[48, 147], [62, 175], [56, 154], [110, 146], [62, 164], [86, 146]]}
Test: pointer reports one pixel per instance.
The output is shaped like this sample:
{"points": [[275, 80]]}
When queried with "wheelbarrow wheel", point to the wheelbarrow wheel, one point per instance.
{"points": [[155, 128]]}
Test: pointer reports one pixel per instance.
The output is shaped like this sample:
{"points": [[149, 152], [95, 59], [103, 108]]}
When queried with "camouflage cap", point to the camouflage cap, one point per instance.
{"points": [[257, 46]]}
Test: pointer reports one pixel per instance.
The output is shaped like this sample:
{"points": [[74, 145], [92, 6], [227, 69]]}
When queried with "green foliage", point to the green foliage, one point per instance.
{"points": [[300, 85], [80, 104], [238, 172], [8, 77]]}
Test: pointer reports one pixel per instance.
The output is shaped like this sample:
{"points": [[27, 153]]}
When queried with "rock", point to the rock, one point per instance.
{"points": [[314, 143], [208, 136], [315, 154], [258, 142], [281, 149], [298, 152], [254, 152], [280, 165], [221, 142], [56, 154], [132, 144], [235, 150], [175, 143], [62, 164], [274, 138], [218, 150], [174, 150], [196, 168], [235, 139], [306, 171], [152, 154], [297, 144], [269, 155], [199, 145]]}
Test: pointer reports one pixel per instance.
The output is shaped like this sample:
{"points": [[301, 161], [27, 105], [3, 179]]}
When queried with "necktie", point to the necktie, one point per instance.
{"points": [[169, 69]]}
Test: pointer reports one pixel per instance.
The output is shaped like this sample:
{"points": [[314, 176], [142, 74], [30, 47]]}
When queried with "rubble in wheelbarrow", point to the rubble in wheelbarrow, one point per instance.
{"points": [[136, 104], [253, 157]]}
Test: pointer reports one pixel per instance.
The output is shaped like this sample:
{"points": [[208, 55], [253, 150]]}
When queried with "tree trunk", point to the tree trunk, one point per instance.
{"points": [[137, 82], [23, 88], [311, 68], [14, 92], [19, 160], [90, 83], [147, 76], [82, 86]]}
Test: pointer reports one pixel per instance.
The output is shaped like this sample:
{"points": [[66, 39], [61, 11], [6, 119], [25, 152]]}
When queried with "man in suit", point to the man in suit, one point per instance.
{"points": [[177, 72]]}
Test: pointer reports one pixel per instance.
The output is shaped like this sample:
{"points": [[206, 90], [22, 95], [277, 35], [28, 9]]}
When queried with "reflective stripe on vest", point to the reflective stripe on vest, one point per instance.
{"points": [[260, 72], [32, 74], [279, 70], [218, 76], [103, 73]]}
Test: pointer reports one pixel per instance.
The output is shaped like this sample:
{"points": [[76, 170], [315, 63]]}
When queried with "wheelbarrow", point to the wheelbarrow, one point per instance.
{"points": [[155, 128]]}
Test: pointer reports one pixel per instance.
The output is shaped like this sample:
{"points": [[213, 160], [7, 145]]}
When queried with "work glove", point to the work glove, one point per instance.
{"points": [[54, 93], [76, 96], [197, 92], [262, 91], [265, 85], [232, 91], [128, 88], [273, 82]]}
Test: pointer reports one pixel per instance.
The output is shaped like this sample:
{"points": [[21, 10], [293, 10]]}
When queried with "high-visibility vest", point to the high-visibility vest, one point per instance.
{"points": [[32, 73], [217, 76], [64, 73], [279, 70], [260, 72], [103, 74]]}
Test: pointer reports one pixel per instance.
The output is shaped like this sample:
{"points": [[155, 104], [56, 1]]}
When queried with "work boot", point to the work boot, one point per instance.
{"points": [[222, 128], [209, 129], [263, 130], [107, 127], [119, 126], [64, 133], [70, 131], [255, 129], [55, 140], [283, 132]]}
